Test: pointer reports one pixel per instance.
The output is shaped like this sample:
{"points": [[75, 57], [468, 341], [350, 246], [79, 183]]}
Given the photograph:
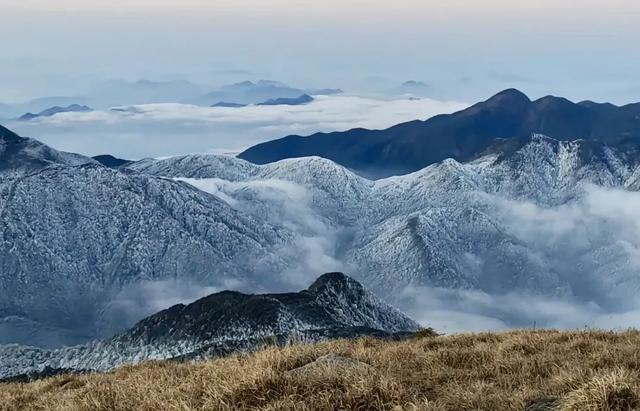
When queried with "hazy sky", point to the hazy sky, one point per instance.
{"points": [[577, 48]]}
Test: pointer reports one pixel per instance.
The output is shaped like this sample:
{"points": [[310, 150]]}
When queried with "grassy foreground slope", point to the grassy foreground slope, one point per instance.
{"points": [[535, 370]]}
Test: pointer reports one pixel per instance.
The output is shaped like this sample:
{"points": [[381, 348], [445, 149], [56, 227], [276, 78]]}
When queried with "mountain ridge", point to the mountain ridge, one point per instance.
{"points": [[452, 225], [463, 135], [52, 111]]}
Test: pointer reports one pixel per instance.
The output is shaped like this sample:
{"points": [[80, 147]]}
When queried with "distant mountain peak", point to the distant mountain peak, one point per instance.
{"points": [[270, 83], [509, 97], [553, 102], [73, 108], [414, 83], [246, 83], [224, 104], [297, 101]]}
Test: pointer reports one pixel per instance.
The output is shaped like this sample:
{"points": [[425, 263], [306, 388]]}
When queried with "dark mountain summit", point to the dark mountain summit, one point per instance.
{"points": [[111, 161], [462, 136], [334, 302], [224, 104], [334, 306]]}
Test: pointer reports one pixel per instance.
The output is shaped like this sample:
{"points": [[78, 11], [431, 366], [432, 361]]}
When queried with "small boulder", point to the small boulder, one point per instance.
{"points": [[331, 362], [542, 404]]}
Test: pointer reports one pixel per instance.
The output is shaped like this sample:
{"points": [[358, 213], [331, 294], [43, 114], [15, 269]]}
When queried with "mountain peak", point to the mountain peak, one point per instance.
{"points": [[337, 284], [7, 135], [414, 83], [332, 280], [510, 96], [296, 101], [553, 102]]}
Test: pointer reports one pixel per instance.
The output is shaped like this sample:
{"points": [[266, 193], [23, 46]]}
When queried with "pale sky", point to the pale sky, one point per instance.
{"points": [[577, 48]]}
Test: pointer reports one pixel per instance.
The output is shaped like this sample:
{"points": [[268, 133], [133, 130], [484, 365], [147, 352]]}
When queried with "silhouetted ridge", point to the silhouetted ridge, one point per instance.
{"points": [[111, 161], [463, 136], [509, 99]]}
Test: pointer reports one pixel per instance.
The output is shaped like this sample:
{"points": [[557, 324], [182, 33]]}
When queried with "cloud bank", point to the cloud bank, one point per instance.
{"points": [[157, 130], [288, 205]]}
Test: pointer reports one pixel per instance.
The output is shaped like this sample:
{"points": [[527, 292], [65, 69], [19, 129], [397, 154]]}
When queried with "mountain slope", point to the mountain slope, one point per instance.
{"points": [[197, 166], [462, 136], [22, 155]]}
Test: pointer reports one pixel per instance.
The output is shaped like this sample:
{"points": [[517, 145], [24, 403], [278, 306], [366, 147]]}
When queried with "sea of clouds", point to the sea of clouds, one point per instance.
{"points": [[158, 130]]}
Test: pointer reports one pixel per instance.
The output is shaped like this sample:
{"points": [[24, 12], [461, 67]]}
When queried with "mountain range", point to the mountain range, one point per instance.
{"points": [[73, 108], [452, 224], [116, 93], [88, 250], [462, 136], [296, 101], [260, 92]]}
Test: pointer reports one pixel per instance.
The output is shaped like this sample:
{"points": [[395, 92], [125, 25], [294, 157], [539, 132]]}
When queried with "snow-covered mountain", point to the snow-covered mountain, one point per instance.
{"points": [[75, 235], [518, 219], [333, 306], [20, 155]]}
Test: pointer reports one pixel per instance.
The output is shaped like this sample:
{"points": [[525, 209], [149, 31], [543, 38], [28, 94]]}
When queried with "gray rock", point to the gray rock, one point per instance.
{"points": [[542, 404], [332, 361]]}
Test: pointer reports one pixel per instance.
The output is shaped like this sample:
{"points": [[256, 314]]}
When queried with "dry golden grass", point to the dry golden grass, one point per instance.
{"points": [[541, 370]]}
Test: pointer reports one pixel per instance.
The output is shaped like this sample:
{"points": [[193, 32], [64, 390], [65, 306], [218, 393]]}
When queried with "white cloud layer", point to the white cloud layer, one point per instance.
{"points": [[158, 130], [289, 205]]}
